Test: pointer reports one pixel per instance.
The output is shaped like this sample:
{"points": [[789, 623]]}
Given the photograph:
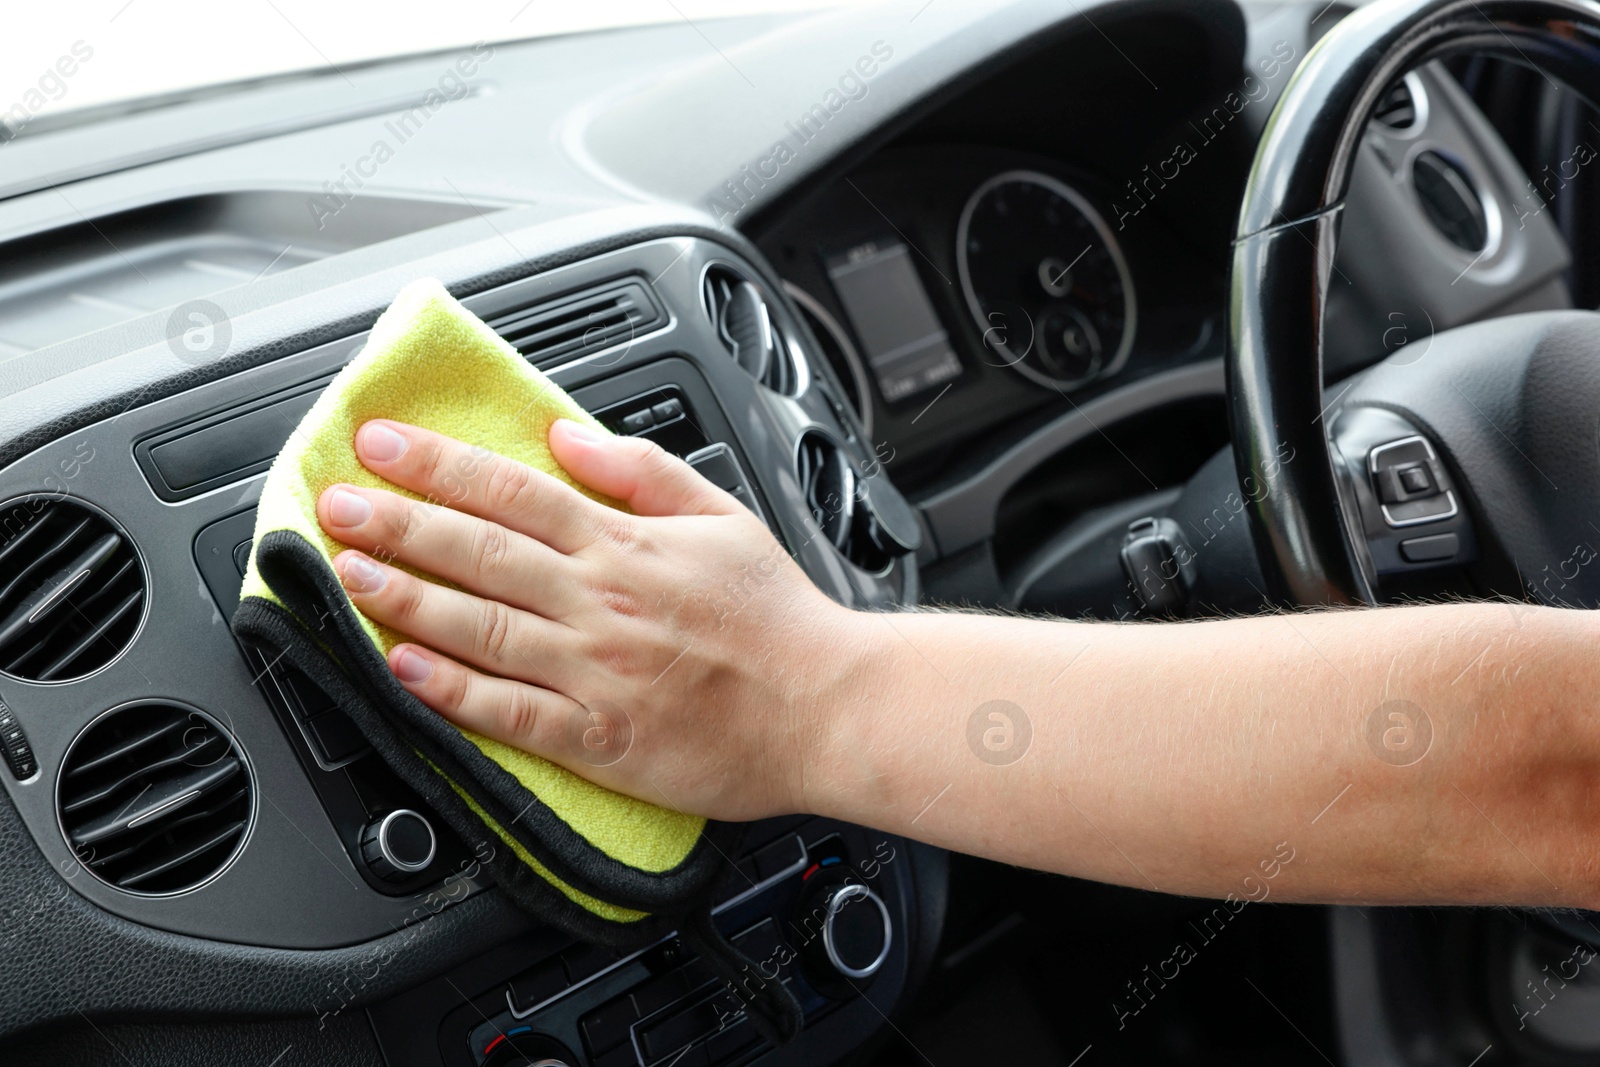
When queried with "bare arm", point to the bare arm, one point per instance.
{"points": [[1428, 754]]}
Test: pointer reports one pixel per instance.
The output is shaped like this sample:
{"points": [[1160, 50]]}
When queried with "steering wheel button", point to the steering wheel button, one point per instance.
{"points": [[1430, 549], [1414, 479]]}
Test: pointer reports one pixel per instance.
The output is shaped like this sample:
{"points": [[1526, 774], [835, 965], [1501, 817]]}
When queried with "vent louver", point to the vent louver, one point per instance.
{"points": [[154, 798], [746, 328], [1398, 108], [558, 331], [838, 506], [71, 590]]}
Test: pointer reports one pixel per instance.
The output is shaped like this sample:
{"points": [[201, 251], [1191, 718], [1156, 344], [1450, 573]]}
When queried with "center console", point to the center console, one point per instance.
{"points": [[826, 908]]}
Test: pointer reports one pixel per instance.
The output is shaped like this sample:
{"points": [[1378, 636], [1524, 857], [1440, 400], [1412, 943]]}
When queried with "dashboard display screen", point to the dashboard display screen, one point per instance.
{"points": [[906, 347]]}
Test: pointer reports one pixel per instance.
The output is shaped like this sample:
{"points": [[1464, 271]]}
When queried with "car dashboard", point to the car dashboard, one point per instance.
{"points": [[939, 294]]}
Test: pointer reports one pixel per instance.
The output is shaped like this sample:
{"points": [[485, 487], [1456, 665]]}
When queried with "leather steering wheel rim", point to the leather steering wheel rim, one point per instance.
{"points": [[1284, 248]]}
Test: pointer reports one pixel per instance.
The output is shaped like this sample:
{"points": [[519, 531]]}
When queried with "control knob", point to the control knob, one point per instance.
{"points": [[398, 846], [855, 934]]}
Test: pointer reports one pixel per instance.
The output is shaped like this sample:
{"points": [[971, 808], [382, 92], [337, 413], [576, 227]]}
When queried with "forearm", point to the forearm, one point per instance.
{"points": [[1240, 757], [1192, 757]]}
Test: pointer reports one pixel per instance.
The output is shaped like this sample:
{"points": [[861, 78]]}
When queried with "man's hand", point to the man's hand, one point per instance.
{"points": [[677, 654], [1444, 753]]}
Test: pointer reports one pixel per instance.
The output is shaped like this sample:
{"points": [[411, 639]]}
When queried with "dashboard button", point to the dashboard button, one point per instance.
{"points": [[586, 961], [730, 1040], [638, 421], [716, 463], [667, 410], [764, 946], [661, 992], [717, 466], [779, 856], [607, 1027], [537, 985], [18, 753], [337, 736], [621, 1056], [664, 1039]]}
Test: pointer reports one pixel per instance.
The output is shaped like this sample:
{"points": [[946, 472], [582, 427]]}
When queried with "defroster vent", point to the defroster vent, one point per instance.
{"points": [[71, 590], [154, 798], [558, 331]]}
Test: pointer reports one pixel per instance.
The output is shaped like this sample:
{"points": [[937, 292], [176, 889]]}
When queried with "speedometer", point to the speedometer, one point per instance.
{"points": [[1045, 279]]}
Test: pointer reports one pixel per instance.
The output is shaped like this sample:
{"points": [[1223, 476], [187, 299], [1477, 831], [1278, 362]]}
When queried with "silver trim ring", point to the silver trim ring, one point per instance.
{"points": [[836, 904], [62, 496], [383, 841], [1433, 457], [160, 702], [1130, 320]]}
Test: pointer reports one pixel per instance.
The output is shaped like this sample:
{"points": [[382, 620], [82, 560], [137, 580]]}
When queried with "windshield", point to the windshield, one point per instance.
{"points": [[59, 58]]}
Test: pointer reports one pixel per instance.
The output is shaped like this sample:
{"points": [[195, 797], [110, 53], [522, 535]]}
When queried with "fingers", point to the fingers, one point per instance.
{"points": [[524, 716], [480, 556], [484, 633], [476, 480], [636, 471]]}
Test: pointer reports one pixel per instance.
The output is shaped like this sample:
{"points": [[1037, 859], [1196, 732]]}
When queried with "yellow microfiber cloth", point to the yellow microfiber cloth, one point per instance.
{"points": [[606, 867]]}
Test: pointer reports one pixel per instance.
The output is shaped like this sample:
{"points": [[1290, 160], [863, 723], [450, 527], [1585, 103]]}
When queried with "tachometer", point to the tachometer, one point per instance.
{"points": [[1045, 279]]}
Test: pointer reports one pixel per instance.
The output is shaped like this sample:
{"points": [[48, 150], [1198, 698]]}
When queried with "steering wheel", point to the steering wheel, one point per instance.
{"points": [[1483, 449]]}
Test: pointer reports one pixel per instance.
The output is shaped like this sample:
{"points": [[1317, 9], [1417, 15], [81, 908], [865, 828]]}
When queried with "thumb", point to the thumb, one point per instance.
{"points": [[636, 471]]}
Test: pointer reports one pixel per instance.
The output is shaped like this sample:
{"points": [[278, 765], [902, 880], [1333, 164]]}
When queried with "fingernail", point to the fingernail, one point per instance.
{"points": [[377, 442], [361, 575], [579, 432], [348, 509], [411, 668]]}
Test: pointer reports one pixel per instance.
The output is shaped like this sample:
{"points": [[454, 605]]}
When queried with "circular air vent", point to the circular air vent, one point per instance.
{"points": [[154, 798], [71, 590], [1450, 201], [745, 325], [839, 505]]}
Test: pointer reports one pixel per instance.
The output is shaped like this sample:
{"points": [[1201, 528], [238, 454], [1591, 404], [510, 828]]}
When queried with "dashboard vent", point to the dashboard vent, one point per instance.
{"points": [[71, 590], [559, 331], [154, 798], [745, 325], [832, 492], [1398, 108], [1450, 201]]}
